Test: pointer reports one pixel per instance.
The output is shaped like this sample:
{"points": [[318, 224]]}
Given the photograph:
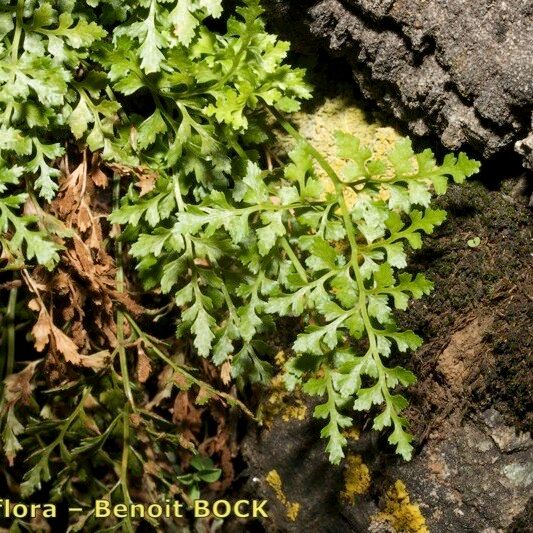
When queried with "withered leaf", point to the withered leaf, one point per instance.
{"points": [[42, 329], [96, 361], [34, 304], [90, 402], [66, 346], [18, 387], [144, 366], [84, 219], [90, 423], [182, 382], [135, 420], [203, 396], [99, 178], [184, 410], [225, 373], [146, 183]]}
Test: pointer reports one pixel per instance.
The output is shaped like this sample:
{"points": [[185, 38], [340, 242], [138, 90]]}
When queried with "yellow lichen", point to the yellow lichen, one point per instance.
{"points": [[292, 508], [294, 412], [351, 433], [356, 478], [282, 404], [400, 513], [280, 359]]}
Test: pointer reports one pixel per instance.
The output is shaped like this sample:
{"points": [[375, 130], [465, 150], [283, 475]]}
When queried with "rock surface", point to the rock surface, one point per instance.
{"points": [[468, 480], [457, 69]]}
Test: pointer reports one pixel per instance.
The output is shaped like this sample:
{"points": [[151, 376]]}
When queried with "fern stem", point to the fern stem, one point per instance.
{"points": [[295, 261], [14, 55], [124, 465], [10, 318], [224, 396], [181, 208], [120, 287], [123, 364], [18, 31], [350, 231], [293, 132], [229, 301]]}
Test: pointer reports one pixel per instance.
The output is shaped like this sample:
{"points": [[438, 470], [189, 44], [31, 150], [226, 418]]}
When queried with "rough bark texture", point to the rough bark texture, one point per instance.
{"points": [[457, 69]]}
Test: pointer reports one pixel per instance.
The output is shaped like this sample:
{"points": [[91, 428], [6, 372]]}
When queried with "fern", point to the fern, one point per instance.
{"points": [[180, 113], [277, 245]]}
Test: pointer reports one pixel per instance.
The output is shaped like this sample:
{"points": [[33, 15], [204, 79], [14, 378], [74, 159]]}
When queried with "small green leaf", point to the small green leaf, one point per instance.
{"points": [[474, 242]]}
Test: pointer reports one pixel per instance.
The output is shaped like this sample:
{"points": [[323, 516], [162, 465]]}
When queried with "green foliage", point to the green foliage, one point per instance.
{"points": [[203, 472], [274, 244], [68, 66], [234, 246], [145, 85]]}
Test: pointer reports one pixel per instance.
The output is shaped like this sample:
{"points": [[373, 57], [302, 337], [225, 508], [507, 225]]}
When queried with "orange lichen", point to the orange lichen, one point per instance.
{"points": [[292, 508]]}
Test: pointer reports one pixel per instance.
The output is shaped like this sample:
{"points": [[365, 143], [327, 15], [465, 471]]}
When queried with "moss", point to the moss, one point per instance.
{"points": [[400, 513], [356, 478], [491, 279], [292, 508]]}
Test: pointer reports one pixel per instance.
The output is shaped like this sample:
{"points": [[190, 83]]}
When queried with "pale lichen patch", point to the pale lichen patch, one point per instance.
{"points": [[342, 113]]}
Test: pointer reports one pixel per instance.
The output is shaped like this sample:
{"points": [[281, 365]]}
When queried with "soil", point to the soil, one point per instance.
{"points": [[478, 321]]}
